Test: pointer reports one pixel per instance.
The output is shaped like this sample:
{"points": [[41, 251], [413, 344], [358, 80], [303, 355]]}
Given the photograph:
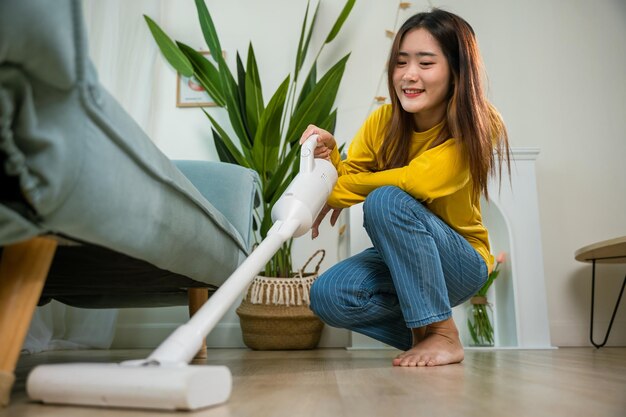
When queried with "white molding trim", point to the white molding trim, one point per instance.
{"points": [[525, 154], [150, 335], [575, 333]]}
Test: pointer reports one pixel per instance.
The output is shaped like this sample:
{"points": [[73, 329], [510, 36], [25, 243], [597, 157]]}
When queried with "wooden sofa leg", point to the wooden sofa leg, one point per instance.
{"points": [[23, 271], [197, 297]]}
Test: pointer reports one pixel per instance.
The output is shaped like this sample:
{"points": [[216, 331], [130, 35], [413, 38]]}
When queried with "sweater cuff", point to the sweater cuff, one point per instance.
{"points": [[335, 158]]}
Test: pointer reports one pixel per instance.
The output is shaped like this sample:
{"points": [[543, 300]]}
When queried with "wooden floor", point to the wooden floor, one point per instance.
{"points": [[566, 382]]}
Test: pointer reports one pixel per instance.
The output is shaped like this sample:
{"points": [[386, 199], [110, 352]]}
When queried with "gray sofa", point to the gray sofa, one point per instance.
{"points": [[75, 166]]}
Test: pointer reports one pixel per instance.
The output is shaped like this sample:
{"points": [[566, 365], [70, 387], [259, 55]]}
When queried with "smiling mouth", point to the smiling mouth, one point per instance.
{"points": [[412, 91]]}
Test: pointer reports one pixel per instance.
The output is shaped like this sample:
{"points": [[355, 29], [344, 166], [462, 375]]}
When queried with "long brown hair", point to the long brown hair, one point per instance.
{"points": [[470, 118]]}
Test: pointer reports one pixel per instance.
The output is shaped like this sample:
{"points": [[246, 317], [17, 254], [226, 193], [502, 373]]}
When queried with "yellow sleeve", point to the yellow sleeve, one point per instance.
{"points": [[435, 173], [362, 151]]}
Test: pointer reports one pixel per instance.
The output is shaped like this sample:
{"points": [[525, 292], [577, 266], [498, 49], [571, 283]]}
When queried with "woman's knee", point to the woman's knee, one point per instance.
{"points": [[381, 199], [318, 295], [385, 204], [333, 300]]}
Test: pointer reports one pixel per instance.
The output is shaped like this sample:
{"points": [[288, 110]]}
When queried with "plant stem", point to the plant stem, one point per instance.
{"points": [[480, 325]]}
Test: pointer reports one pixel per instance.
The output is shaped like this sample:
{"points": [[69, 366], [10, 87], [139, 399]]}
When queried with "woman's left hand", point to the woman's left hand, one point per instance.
{"points": [[333, 219]]}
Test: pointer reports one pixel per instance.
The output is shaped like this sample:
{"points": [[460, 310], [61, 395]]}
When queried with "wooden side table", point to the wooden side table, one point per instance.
{"points": [[611, 251]]}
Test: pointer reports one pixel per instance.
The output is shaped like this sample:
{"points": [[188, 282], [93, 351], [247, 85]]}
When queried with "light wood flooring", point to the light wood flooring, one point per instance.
{"points": [[566, 382]]}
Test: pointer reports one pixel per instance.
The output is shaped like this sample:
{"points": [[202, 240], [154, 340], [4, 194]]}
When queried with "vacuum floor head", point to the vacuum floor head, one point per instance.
{"points": [[178, 387]]}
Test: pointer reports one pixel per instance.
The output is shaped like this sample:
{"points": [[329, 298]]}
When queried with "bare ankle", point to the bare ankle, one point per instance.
{"points": [[419, 333], [446, 328]]}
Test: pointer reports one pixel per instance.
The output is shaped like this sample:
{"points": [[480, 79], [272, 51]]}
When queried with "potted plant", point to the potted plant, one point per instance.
{"points": [[479, 317], [266, 134]]}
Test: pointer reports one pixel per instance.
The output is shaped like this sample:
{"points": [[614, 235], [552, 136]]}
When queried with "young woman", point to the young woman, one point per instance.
{"points": [[420, 165]]}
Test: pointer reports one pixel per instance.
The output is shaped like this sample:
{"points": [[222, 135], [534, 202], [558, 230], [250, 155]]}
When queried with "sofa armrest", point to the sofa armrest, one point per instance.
{"points": [[234, 190]]}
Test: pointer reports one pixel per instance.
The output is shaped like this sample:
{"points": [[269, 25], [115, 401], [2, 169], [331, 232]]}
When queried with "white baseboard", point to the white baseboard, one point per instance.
{"points": [[225, 335], [150, 335], [576, 334], [228, 335]]}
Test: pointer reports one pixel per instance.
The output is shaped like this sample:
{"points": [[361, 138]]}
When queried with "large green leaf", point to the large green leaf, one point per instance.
{"points": [[205, 72], [340, 21], [170, 51], [213, 42], [223, 152], [309, 84], [284, 184], [228, 143], [318, 104], [231, 96], [266, 222], [254, 93], [208, 30], [281, 175], [330, 122], [299, 54], [303, 43], [241, 90], [293, 168], [229, 86], [267, 140]]}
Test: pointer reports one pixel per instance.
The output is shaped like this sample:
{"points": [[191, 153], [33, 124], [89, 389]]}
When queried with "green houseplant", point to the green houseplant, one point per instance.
{"points": [[266, 134], [266, 137]]}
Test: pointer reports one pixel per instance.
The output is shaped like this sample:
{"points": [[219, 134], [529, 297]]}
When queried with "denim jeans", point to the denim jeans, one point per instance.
{"points": [[418, 269]]}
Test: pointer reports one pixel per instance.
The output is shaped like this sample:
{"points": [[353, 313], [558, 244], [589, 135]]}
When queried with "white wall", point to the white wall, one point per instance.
{"points": [[556, 71]]}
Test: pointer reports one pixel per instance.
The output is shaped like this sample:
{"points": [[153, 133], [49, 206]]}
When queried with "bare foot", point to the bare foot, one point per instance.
{"points": [[419, 333], [440, 345]]}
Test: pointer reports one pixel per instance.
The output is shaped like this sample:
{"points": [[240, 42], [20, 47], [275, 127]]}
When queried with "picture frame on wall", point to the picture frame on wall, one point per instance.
{"points": [[189, 91]]}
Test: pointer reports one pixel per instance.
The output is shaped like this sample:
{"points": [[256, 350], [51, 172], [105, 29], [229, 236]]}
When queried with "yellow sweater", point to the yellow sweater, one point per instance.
{"points": [[438, 177]]}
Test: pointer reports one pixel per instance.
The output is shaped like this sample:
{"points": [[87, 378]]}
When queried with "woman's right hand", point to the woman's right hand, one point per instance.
{"points": [[325, 143]]}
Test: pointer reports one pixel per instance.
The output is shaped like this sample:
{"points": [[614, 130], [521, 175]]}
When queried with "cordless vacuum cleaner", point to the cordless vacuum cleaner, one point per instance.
{"points": [[164, 380]]}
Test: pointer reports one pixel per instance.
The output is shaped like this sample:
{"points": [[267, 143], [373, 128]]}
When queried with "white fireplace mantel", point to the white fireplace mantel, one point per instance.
{"points": [[518, 295]]}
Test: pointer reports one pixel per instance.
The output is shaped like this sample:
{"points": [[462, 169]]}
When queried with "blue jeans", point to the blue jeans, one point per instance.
{"points": [[418, 269]]}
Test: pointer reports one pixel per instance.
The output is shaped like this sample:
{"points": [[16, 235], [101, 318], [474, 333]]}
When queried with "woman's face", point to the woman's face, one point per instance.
{"points": [[421, 78]]}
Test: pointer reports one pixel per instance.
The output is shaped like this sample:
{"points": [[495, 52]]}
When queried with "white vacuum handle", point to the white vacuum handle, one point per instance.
{"points": [[306, 195], [293, 214], [307, 154]]}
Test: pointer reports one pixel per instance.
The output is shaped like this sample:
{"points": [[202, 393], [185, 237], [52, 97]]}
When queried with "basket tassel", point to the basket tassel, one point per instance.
{"points": [[294, 291]]}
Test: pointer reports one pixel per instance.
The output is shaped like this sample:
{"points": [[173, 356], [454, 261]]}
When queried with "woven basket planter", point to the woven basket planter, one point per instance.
{"points": [[275, 313]]}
